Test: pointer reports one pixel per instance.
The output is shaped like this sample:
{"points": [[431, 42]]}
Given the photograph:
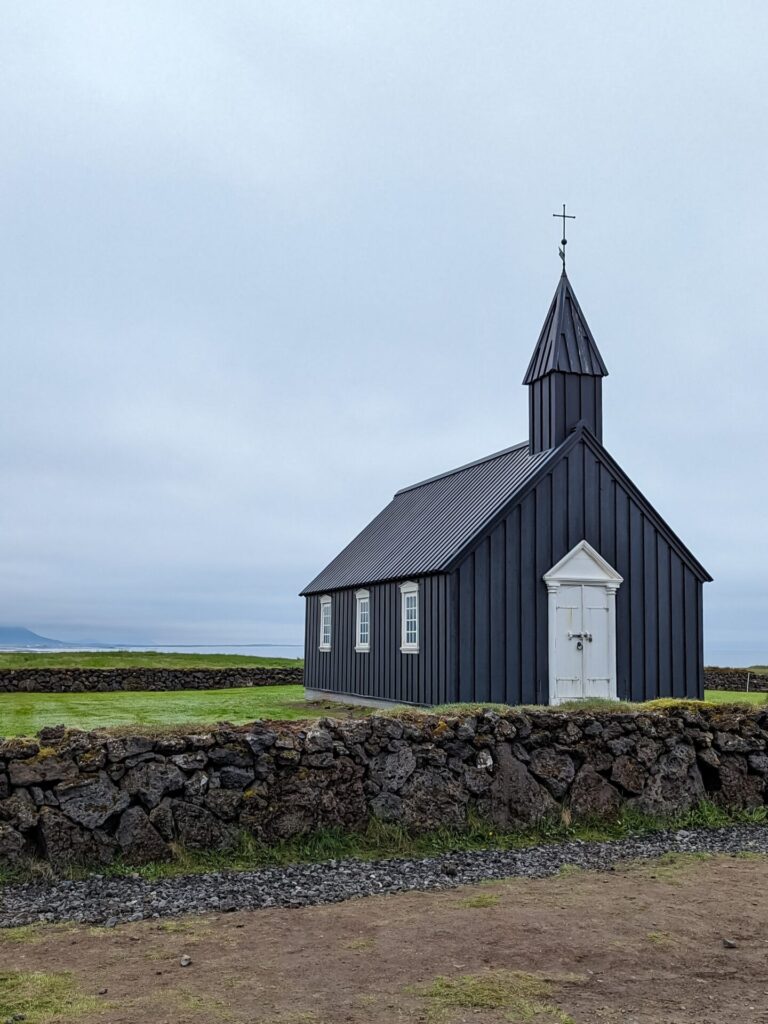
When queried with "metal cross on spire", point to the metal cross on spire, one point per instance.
{"points": [[563, 241]]}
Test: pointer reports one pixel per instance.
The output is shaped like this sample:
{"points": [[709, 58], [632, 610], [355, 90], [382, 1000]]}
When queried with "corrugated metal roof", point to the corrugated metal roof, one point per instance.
{"points": [[426, 525], [565, 343]]}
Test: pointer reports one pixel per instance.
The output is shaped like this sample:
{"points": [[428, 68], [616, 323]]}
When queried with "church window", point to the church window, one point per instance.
{"points": [[409, 638], [325, 623], [363, 617]]}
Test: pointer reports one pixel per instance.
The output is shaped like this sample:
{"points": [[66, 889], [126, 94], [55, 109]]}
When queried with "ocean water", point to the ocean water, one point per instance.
{"points": [[257, 650]]}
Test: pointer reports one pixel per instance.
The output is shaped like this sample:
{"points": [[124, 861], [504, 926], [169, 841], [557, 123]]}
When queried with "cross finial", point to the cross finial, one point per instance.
{"points": [[563, 241]]}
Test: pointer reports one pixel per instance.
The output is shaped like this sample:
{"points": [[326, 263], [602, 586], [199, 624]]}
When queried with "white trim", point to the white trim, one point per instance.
{"points": [[584, 567], [552, 589], [408, 589], [326, 602], [360, 596], [611, 594], [598, 572]]}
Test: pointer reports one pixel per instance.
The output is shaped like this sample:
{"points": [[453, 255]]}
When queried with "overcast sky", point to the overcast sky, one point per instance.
{"points": [[263, 263]]}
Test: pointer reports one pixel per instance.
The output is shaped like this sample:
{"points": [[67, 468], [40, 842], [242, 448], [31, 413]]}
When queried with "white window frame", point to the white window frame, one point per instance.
{"points": [[325, 602], [362, 597], [406, 590]]}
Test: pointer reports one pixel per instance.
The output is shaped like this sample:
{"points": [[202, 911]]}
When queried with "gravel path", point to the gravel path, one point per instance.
{"points": [[100, 900]]}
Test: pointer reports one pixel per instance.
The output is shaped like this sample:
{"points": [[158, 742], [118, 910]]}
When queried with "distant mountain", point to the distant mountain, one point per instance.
{"points": [[20, 638]]}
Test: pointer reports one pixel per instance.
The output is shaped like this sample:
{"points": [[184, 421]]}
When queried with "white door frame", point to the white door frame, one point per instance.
{"points": [[582, 566]]}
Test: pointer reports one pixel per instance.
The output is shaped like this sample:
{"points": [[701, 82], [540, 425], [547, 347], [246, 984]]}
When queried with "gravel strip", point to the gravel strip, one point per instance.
{"points": [[109, 901]]}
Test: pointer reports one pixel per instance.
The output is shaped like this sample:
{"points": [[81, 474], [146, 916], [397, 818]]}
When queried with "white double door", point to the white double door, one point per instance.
{"points": [[583, 647], [582, 625]]}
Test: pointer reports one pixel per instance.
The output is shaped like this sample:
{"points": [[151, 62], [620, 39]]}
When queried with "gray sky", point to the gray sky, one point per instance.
{"points": [[264, 263]]}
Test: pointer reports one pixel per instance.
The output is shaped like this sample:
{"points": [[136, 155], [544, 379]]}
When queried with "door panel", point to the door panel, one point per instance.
{"points": [[597, 675], [569, 659]]}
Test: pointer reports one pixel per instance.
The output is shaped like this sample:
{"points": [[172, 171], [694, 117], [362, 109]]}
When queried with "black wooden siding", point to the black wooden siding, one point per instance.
{"points": [[383, 672], [557, 402], [501, 606]]}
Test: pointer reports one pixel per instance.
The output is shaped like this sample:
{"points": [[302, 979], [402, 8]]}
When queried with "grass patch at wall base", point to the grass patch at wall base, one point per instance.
{"points": [[381, 841]]}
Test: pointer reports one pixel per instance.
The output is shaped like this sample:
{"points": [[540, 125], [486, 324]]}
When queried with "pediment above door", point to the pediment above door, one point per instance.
{"points": [[583, 564]]}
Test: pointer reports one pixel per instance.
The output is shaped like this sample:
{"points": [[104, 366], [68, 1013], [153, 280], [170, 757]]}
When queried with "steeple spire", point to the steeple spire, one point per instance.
{"points": [[565, 342], [565, 373]]}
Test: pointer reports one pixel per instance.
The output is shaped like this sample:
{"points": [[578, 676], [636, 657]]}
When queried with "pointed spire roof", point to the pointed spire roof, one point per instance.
{"points": [[565, 343]]}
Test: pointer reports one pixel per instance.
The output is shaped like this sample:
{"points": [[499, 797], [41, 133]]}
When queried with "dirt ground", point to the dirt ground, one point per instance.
{"points": [[641, 944]]}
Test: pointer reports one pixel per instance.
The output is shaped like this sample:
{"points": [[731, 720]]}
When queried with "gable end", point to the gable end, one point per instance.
{"points": [[582, 435], [648, 510]]}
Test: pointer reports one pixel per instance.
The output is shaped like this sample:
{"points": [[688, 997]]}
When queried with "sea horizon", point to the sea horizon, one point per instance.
{"points": [[295, 651]]}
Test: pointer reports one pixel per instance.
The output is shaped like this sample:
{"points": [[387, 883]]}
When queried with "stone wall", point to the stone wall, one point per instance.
{"points": [[77, 796], [91, 680], [734, 679]]}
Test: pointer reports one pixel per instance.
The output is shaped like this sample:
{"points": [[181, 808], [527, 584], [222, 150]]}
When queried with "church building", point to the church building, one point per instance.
{"points": [[536, 575]]}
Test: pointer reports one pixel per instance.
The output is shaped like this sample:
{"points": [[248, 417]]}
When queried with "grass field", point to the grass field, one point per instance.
{"points": [[726, 697], [25, 713], [22, 714], [141, 659]]}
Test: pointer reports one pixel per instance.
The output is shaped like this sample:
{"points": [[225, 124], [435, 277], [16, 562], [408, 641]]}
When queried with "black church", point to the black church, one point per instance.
{"points": [[536, 575]]}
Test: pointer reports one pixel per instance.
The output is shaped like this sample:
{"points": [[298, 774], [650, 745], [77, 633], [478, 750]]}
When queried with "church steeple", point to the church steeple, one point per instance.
{"points": [[565, 374]]}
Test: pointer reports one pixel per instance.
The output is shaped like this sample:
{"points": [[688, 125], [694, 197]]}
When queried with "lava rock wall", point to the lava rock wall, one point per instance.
{"points": [[734, 679], [91, 797], [102, 680]]}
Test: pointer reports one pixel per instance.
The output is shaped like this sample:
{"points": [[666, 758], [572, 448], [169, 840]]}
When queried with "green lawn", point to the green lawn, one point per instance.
{"points": [[141, 659], [726, 697], [23, 714]]}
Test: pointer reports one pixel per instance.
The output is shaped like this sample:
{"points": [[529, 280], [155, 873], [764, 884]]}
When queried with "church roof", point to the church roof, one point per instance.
{"points": [[427, 524], [565, 343]]}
